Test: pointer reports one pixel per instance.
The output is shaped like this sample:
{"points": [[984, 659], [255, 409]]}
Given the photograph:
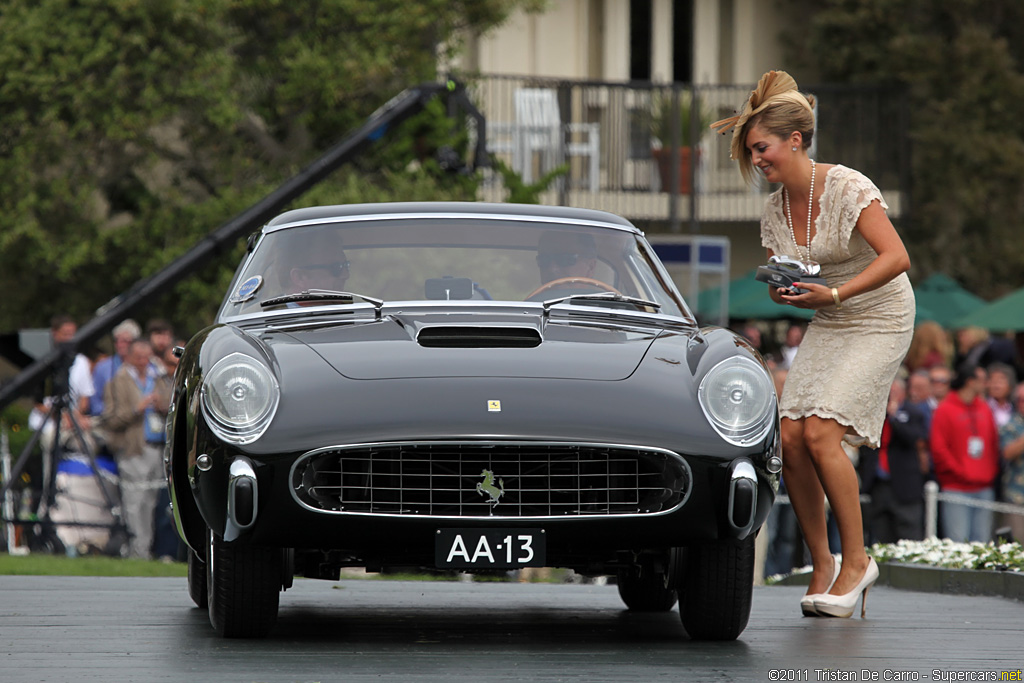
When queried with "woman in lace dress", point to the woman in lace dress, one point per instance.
{"points": [[838, 384]]}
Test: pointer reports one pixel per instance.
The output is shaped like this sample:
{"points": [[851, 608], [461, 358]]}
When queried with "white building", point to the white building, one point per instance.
{"points": [[711, 41], [574, 82]]}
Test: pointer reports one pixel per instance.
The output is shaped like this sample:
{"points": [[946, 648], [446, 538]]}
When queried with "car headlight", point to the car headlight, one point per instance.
{"points": [[737, 396], [239, 398]]}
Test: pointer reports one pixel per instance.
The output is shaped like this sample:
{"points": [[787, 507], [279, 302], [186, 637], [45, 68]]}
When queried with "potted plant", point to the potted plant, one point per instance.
{"points": [[664, 121]]}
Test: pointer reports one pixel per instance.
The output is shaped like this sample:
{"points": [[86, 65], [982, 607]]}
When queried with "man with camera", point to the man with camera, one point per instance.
{"points": [[72, 377]]}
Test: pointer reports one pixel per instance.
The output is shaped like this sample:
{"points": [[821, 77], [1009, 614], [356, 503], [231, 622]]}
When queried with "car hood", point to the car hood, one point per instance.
{"points": [[446, 345], [585, 380]]}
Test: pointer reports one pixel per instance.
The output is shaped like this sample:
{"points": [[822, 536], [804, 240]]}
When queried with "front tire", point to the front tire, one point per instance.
{"points": [[717, 589], [645, 592], [196, 579], [243, 585]]}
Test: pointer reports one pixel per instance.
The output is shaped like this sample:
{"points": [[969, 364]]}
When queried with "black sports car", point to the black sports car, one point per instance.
{"points": [[468, 387]]}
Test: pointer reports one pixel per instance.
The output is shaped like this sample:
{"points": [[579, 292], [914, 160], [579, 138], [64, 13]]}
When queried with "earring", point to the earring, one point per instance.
{"points": [[794, 149]]}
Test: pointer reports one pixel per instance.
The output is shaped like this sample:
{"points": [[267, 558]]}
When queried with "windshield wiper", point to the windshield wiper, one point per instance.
{"points": [[603, 296], [323, 295]]}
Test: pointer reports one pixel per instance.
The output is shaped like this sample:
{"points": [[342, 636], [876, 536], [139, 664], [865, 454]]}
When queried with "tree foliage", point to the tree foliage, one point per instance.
{"points": [[521, 192], [133, 128], [961, 63]]}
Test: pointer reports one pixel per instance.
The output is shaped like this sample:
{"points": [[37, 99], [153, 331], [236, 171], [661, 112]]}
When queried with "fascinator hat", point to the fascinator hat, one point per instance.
{"points": [[776, 88]]}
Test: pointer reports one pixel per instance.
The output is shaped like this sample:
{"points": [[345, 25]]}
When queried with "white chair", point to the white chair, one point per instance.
{"points": [[539, 131]]}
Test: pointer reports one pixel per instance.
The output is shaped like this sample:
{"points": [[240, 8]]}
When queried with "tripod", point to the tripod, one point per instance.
{"points": [[61, 416]]}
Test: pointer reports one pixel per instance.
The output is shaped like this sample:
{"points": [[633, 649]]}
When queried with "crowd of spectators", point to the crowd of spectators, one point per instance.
{"points": [[955, 416], [120, 401]]}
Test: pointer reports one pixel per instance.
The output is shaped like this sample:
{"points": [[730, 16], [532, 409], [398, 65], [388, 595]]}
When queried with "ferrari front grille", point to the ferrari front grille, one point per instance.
{"points": [[518, 479]]}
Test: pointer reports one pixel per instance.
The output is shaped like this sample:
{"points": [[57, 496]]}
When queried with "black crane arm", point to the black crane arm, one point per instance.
{"points": [[396, 110]]}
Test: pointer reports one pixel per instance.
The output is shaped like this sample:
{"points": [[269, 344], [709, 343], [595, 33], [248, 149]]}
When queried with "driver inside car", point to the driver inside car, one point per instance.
{"points": [[562, 254], [316, 261]]}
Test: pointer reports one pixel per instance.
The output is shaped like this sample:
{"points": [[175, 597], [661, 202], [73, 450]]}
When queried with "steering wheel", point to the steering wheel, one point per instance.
{"points": [[572, 283]]}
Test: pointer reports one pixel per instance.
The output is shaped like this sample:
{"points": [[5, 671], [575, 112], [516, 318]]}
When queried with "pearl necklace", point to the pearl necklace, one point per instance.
{"points": [[810, 212]]}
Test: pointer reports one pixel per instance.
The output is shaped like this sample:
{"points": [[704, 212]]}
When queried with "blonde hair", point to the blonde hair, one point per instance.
{"points": [[779, 108], [929, 336], [972, 336]]}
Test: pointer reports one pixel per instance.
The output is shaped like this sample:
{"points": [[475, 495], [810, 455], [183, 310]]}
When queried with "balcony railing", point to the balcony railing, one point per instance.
{"points": [[604, 132]]}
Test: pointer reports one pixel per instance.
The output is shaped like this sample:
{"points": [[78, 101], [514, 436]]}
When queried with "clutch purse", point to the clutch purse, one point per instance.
{"points": [[782, 271]]}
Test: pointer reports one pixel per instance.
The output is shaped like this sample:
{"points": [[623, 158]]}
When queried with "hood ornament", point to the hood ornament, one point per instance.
{"points": [[487, 487]]}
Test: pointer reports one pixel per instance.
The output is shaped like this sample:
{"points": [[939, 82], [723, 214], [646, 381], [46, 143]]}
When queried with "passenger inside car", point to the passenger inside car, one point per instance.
{"points": [[562, 254]]}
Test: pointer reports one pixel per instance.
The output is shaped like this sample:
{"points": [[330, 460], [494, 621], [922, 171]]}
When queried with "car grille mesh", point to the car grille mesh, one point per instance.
{"points": [[529, 480]]}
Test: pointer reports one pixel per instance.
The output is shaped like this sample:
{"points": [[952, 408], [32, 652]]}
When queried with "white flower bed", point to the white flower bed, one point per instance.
{"points": [[937, 552], [940, 552]]}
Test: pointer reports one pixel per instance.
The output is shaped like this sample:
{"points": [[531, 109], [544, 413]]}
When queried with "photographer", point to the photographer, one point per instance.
{"points": [[71, 377]]}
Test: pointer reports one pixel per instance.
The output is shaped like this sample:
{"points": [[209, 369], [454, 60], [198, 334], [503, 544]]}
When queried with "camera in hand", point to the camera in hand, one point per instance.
{"points": [[782, 271]]}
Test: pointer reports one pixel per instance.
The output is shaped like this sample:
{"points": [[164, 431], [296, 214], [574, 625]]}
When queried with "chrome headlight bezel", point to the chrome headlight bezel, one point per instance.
{"points": [[231, 374], [742, 387]]}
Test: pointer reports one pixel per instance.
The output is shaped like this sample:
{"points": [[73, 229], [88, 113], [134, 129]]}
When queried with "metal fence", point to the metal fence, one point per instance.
{"points": [[617, 140], [932, 497]]}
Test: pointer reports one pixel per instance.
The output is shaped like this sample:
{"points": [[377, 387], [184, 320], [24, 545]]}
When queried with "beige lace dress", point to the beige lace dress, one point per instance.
{"points": [[848, 358]]}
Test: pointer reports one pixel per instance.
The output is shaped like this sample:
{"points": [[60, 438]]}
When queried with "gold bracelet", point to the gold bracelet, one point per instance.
{"points": [[835, 298]]}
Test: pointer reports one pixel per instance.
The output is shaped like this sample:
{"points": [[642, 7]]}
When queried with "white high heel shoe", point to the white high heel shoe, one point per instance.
{"points": [[842, 605], [807, 602]]}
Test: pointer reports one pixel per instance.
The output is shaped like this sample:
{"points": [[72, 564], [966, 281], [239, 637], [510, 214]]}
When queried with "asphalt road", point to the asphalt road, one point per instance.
{"points": [[58, 629]]}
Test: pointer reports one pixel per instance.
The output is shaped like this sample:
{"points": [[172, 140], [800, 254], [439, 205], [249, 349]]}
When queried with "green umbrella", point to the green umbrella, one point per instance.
{"points": [[759, 306], [748, 299], [924, 313], [945, 300], [741, 287], [1002, 315]]}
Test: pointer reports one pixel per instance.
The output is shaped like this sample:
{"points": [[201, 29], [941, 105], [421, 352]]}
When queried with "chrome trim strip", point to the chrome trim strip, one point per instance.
{"points": [[453, 216], [744, 469], [497, 520], [521, 308]]}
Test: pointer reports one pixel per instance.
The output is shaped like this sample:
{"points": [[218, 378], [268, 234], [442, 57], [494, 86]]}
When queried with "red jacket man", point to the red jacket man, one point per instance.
{"points": [[965, 451]]}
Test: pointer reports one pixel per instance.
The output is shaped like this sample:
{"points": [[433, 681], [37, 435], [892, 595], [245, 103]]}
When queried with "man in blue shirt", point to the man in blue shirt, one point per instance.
{"points": [[124, 334]]}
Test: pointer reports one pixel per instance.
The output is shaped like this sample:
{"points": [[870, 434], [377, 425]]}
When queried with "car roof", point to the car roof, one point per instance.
{"points": [[477, 209]]}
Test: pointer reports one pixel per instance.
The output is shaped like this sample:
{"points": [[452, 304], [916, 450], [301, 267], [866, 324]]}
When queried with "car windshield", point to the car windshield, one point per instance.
{"points": [[449, 259]]}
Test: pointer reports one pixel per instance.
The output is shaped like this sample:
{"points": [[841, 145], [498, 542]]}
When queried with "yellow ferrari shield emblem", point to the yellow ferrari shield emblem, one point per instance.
{"points": [[494, 406]]}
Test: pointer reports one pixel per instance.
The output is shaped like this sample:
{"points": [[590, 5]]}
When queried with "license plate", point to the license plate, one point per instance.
{"points": [[490, 548]]}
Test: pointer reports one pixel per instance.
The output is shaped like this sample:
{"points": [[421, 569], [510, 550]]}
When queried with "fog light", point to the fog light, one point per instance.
{"points": [[204, 462]]}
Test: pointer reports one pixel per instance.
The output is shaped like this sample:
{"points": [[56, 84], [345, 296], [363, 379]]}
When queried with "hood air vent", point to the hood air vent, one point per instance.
{"points": [[446, 337]]}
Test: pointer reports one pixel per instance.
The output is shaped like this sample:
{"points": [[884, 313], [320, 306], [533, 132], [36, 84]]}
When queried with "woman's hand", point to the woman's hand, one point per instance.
{"points": [[816, 296]]}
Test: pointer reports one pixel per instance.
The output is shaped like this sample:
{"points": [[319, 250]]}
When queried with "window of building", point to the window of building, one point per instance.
{"points": [[682, 41], [640, 16]]}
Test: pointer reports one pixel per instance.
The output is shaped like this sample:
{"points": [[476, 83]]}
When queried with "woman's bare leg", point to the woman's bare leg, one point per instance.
{"points": [[823, 439], [808, 500]]}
